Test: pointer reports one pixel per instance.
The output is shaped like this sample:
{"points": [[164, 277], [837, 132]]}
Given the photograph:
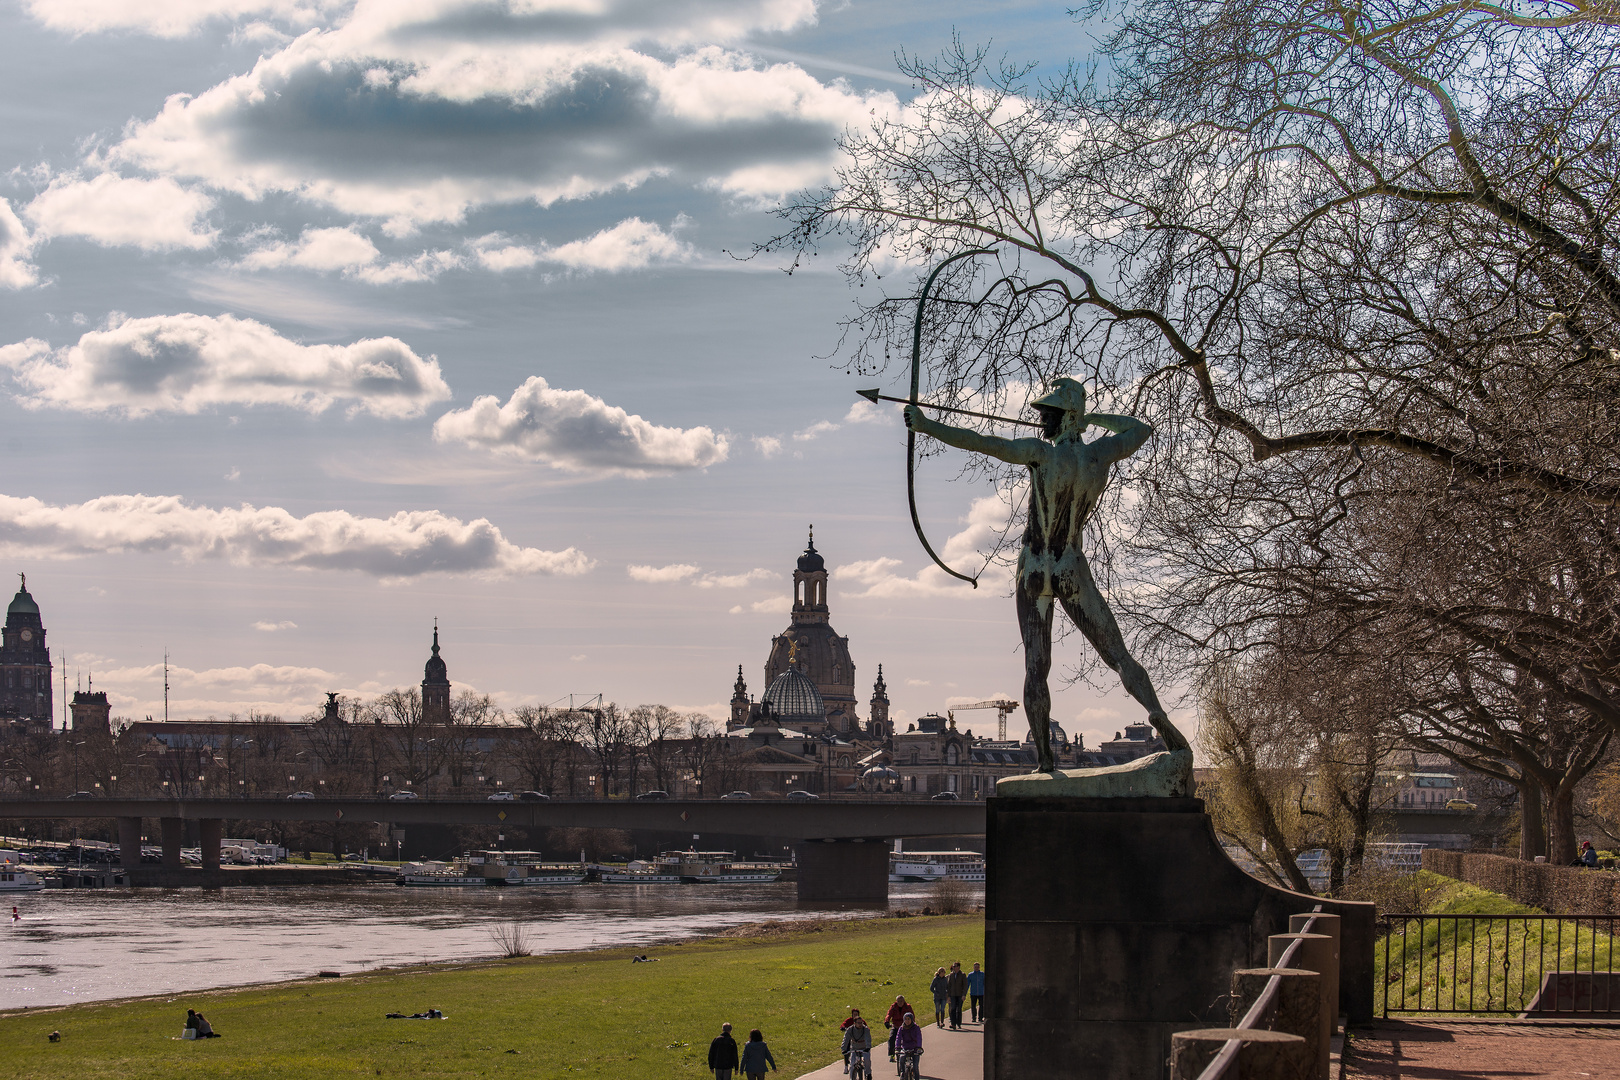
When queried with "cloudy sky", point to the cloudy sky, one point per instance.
{"points": [[324, 318]]}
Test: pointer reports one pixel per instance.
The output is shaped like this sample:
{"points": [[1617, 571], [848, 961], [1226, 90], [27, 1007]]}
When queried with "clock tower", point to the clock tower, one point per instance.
{"points": [[25, 666]]}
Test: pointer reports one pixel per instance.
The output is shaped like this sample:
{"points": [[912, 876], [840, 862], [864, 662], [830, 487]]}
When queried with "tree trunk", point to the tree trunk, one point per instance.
{"points": [[1532, 829], [1561, 830]]}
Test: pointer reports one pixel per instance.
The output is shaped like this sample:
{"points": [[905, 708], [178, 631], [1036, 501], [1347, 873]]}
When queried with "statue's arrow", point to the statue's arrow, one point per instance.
{"points": [[874, 397]]}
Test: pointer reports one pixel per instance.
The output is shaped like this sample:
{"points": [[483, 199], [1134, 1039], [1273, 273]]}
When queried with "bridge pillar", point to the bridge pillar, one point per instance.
{"points": [[212, 830], [173, 836], [129, 842], [843, 871]]}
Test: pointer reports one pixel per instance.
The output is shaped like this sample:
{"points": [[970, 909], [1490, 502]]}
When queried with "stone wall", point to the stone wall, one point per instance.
{"points": [[1561, 890]]}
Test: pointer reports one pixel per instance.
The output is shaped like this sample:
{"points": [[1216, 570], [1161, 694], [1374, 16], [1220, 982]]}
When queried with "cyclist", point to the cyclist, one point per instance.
{"points": [[858, 1049], [908, 1045], [893, 1018]]}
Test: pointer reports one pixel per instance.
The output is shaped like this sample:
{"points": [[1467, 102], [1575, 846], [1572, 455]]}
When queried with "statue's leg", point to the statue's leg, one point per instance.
{"points": [[1035, 624], [1084, 604]]}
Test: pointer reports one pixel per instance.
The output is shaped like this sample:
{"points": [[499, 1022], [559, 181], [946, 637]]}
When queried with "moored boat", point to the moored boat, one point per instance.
{"points": [[15, 879], [440, 873], [523, 868], [693, 868], [925, 866]]}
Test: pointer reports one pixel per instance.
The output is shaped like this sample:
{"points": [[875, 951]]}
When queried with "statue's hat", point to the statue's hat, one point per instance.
{"points": [[1064, 393]]}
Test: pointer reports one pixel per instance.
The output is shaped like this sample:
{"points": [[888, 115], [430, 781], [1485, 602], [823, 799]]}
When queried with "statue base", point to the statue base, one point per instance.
{"points": [[1165, 775]]}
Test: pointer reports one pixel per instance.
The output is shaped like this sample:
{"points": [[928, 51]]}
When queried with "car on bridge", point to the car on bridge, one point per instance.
{"points": [[738, 795], [945, 796], [402, 796], [1460, 804], [652, 796], [81, 795], [502, 796], [302, 795], [802, 795], [533, 796]]}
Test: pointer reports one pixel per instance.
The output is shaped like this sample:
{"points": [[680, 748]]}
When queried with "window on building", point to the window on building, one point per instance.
{"points": [[952, 754], [916, 756]]}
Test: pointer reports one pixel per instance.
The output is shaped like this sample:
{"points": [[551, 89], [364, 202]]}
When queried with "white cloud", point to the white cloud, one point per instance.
{"points": [[578, 432], [865, 412], [283, 689], [767, 445], [579, 658], [986, 519], [408, 544], [15, 247], [735, 581], [775, 605], [448, 105], [632, 244], [815, 431], [271, 627], [189, 363], [153, 215], [661, 575], [316, 249], [918, 682], [170, 18]]}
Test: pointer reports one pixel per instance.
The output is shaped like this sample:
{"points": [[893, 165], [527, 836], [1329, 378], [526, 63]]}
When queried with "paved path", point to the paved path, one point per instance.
{"points": [[947, 1055], [1398, 1050]]}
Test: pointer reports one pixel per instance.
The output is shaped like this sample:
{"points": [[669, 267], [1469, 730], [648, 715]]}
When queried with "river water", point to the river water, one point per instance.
{"points": [[89, 944]]}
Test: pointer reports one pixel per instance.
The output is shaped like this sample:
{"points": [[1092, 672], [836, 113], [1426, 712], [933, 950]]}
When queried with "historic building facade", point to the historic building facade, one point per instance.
{"points": [[435, 685], [25, 666], [812, 649]]}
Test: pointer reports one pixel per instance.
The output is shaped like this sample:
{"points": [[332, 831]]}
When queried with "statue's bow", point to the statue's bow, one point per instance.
{"points": [[911, 436]]}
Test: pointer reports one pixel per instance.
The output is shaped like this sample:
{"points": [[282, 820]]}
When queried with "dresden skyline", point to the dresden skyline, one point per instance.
{"points": [[326, 319]]}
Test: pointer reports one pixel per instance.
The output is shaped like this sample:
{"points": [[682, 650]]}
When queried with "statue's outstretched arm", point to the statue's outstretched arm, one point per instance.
{"points": [[1130, 435], [1012, 451]]}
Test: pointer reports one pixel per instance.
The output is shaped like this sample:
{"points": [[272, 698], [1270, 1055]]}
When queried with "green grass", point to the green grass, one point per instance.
{"points": [[1485, 967], [573, 1015]]}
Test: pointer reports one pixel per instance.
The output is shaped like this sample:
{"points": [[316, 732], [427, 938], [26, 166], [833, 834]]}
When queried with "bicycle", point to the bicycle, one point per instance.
{"points": [[860, 1065], [910, 1066]]}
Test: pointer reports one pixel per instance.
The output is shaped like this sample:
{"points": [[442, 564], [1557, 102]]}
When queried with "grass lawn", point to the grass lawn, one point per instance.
{"points": [[577, 1014], [1489, 965]]}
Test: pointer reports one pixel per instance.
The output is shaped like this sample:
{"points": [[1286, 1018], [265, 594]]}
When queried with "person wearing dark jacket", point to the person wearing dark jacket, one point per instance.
{"points": [[723, 1054], [756, 1055], [956, 988], [941, 997]]}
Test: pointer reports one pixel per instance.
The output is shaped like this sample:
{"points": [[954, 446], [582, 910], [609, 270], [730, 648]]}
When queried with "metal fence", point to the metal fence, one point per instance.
{"points": [[1529, 966]]}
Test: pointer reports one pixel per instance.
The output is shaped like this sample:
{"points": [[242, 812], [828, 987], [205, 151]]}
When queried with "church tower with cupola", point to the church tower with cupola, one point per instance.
{"points": [[813, 648], [25, 666], [739, 701], [435, 686], [878, 726]]}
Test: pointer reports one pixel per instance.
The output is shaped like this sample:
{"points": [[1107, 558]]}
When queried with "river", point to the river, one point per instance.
{"points": [[74, 945]]}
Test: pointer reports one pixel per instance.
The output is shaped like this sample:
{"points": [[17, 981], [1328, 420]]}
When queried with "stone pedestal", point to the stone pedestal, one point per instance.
{"points": [[1111, 924], [129, 842], [843, 871], [173, 834], [213, 830]]}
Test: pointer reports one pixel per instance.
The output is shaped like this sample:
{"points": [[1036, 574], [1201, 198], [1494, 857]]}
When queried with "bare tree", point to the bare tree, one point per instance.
{"points": [[656, 730], [605, 734]]}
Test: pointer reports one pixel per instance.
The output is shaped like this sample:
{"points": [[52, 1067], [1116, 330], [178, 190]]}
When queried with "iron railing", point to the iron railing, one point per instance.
{"points": [[1531, 966]]}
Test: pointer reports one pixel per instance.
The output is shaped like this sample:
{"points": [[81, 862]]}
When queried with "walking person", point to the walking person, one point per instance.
{"points": [[940, 989], [975, 980], [857, 1048], [894, 1018], [956, 988], [723, 1054], [755, 1056]]}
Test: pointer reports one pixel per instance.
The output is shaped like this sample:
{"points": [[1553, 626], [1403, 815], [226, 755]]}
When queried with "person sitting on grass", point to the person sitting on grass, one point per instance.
{"points": [[756, 1055], [205, 1030]]}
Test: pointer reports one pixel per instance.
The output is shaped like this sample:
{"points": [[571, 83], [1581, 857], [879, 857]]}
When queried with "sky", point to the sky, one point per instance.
{"points": [[321, 320]]}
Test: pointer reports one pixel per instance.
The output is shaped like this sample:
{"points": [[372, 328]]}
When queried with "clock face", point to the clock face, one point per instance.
{"points": [[28, 635]]}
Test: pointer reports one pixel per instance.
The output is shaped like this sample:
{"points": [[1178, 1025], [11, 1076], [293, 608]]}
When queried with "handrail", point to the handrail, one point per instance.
{"points": [[1257, 1012]]}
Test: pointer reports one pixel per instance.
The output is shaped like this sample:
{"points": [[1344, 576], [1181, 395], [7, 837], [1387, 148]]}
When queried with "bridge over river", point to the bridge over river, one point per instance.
{"points": [[842, 845]]}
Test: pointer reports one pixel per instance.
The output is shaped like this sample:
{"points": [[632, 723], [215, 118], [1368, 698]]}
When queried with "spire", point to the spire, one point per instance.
{"points": [[435, 636]]}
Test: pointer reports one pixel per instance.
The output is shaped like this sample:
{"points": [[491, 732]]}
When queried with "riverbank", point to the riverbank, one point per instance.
{"points": [[591, 1014]]}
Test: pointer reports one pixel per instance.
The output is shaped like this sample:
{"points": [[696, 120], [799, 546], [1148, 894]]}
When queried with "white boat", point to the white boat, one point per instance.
{"points": [[438, 873], [693, 868], [16, 879], [522, 868], [925, 866]]}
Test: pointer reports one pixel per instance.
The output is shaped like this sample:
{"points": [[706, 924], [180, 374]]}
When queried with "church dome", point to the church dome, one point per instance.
{"points": [[22, 603], [792, 697]]}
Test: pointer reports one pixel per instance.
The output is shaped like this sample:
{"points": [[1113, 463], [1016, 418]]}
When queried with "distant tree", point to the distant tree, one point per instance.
{"points": [[656, 729], [473, 720], [605, 734], [540, 747]]}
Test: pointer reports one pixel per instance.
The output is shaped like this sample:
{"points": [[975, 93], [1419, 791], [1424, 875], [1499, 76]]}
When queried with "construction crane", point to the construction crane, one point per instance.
{"points": [[1002, 707]]}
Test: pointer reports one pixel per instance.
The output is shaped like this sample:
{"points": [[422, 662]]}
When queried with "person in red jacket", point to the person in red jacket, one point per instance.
{"points": [[894, 1018]]}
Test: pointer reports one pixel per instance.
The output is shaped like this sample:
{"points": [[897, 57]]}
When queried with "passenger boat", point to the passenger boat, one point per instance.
{"points": [[522, 868], [439, 873], [16, 879], [924, 866], [693, 868]]}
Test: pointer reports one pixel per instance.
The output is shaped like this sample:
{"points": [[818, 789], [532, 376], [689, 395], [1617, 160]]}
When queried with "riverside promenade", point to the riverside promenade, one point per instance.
{"points": [[1404, 1050], [947, 1055]]}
